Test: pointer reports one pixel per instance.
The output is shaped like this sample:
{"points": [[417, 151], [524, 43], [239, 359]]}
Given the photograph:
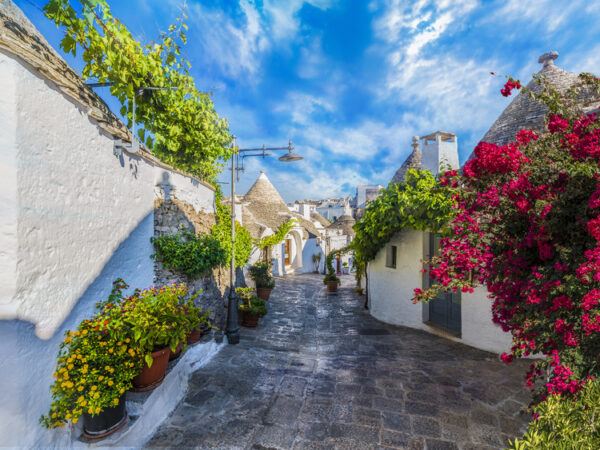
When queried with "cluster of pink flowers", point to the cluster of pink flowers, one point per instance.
{"points": [[509, 86], [530, 231]]}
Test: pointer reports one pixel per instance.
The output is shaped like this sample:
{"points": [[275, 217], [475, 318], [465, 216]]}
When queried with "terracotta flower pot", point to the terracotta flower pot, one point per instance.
{"points": [[106, 422], [332, 286], [263, 293], [151, 377], [177, 353], [249, 319]]}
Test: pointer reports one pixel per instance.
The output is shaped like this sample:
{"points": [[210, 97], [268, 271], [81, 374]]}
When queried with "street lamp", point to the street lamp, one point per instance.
{"points": [[232, 330]]}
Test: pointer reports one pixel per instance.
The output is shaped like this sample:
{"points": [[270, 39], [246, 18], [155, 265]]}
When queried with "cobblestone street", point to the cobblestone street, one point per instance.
{"points": [[319, 372]]}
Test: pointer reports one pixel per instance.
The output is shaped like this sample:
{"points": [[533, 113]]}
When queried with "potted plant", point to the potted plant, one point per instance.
{"points": [[316, 259], [203, 326], [358, 290], [260, 273], [330, 279], [346, 269], [251, 307], [94, 370], [157, 320]]}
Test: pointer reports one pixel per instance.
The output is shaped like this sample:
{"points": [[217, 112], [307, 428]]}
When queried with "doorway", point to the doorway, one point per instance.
{"points": [[445, 309]]}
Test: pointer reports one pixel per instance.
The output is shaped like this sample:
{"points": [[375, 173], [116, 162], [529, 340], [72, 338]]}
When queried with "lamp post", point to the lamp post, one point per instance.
{"points": [[232, 330]]}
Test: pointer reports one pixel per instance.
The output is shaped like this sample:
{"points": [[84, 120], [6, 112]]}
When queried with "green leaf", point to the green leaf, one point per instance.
{"points": [[149, 360]]}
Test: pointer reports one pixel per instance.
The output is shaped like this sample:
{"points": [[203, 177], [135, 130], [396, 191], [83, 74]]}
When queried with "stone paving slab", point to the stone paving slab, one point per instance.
{"points": [[320, 373]]}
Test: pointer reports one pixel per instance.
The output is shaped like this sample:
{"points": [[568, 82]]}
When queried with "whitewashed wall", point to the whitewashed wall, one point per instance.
{"points": [[74, 217], [311, 248], [391, 291]]}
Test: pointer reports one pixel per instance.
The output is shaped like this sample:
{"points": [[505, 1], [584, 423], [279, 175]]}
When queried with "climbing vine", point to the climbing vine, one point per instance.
{"points": [[276, 238], [420, 203], [180, 125], [221, 231]]}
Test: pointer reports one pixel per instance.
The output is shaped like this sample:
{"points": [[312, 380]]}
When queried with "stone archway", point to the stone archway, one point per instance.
{"points": [[295, 245]]}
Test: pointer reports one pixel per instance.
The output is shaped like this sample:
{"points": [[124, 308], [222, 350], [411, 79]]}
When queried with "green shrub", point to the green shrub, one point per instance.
{"points": [[564, 422], [193, 255], [260, 273], [251, 303], [330, 277]]}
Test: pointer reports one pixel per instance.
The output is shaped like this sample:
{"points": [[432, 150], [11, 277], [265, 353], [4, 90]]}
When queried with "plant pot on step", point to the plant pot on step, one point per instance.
{"points": [[177, 353], [151, 377], [332, 286], [108, 421], [263, 293], [250, 319]]}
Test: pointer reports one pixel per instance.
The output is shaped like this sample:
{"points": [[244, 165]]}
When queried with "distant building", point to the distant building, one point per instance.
{"points": [[332, 208], [263, 212], [364, 195]]}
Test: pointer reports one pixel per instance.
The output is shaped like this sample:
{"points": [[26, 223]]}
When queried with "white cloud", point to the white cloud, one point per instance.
{"points": [[237, 46]]}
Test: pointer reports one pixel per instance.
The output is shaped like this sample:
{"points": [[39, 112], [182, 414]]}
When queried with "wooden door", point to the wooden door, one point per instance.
{"points": [[288, 252], [445, 309]]}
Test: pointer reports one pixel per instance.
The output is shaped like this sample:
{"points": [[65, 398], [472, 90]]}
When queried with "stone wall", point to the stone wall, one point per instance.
{"points": [[170, 215]]}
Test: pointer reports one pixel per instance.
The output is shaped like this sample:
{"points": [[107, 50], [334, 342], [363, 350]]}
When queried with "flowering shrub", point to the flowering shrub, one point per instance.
{"points": [[528, 228], [93, 370], [153, 318]]}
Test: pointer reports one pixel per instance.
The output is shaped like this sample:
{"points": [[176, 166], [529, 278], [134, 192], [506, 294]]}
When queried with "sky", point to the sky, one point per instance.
{"points": [[351, 81]]}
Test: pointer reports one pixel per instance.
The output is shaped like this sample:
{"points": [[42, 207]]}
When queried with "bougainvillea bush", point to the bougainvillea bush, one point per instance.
{"points": [[528, 228]]}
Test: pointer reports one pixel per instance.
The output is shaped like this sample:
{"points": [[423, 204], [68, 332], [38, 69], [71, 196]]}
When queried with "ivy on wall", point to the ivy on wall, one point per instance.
{"points": [[180, 124], [194, 255], [222, 232], [420, 203], [276, 238]]}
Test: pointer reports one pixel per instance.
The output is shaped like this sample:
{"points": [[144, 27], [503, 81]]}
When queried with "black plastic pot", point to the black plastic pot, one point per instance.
{"points": [[107, 422]]}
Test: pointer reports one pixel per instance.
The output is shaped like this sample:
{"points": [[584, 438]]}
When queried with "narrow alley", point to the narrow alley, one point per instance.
{"points": [[320, 372]]}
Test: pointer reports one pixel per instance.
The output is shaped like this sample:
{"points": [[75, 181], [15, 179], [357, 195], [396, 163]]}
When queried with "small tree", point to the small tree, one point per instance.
{"points": [[316, 259]]}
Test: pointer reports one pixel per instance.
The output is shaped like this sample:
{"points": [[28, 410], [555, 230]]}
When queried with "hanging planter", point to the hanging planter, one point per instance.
{"points": [[105, 423], [152, 376]]}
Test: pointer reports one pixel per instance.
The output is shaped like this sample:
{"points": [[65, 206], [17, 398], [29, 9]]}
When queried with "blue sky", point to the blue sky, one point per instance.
{"points": [[350, 82]]}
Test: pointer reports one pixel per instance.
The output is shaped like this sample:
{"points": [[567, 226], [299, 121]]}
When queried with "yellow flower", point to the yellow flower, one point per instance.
{"points": [[94, 387], [71, 333], [116, 401], [101, 377], [80, 388], [75, 419], [68, 416], [97, 395], [110, 382], [83, 403], [54, 415], [67, 340], [70, 366], [121, 390], [110, 350], [84, 332], [97, 410], [127, 340], [106, 368], [78, 356], [77, 333], [80, 399], [69, 384]]}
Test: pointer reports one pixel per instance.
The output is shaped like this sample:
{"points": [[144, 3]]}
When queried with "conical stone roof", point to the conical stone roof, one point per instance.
{"points": [[264, 208], [524, 112], [344, 223], [412, 162]]}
